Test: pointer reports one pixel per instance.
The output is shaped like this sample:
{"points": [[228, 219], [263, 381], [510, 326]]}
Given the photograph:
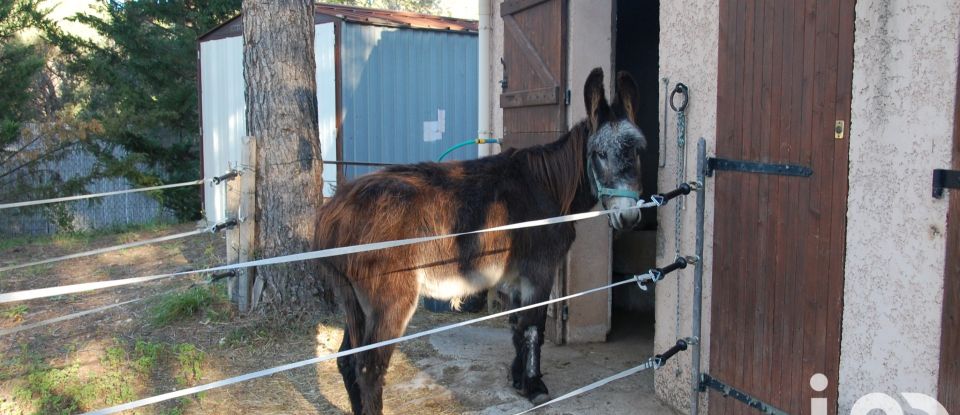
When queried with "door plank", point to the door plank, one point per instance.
{"points": [[530, 98], [529, 51], [784, 73]]}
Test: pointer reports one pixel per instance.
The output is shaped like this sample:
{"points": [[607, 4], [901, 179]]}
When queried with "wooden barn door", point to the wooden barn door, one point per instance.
{"points": [[949, 387], [785, 73], [534, 51], [534, 85]]}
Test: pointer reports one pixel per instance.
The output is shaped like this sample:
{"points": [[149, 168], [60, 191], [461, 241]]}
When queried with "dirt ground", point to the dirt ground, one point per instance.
{"points": [[123, 354]]}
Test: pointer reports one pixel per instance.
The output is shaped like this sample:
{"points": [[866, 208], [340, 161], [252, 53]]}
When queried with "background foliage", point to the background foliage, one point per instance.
{"points": [[128, 95]]}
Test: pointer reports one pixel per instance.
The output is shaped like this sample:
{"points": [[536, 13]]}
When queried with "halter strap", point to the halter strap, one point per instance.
{"points": [[600, 190]]}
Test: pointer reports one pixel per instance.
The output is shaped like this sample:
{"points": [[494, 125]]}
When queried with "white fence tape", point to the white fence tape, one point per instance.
{"points": [[650, 364], [89, 196], [274, 370], [71, 316], [12, 330], [107, 249], [324, 253]]}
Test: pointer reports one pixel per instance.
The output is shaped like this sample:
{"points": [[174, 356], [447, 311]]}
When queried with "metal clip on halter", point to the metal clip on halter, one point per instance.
{"points": [[656, 274], [662, 358]]}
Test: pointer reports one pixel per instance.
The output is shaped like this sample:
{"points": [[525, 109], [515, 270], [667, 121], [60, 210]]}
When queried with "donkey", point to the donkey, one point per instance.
{"points": [[597, 160]]}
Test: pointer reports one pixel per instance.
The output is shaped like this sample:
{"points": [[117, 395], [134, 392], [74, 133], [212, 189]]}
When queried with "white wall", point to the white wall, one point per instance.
{"points": [[323, 49], [689, 30], [903, 99], [223, 115], [904, 79], [224, 111]]}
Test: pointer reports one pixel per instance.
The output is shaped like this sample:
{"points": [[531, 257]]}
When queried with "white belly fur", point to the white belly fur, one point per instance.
{"points": [[455, 286]]}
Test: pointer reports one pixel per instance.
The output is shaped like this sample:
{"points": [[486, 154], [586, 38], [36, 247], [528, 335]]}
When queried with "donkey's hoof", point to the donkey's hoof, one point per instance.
{"points": [[535, 391], [540, 398]]}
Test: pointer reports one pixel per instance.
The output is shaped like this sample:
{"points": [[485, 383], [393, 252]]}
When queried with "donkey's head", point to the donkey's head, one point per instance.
{"points": [[614, 147]]}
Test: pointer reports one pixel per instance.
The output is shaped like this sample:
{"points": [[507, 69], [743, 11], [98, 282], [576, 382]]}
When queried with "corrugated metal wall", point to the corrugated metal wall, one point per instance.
{"points": [[224, 110], [395, 84], [395, 81], [224, 115], [323, 48]]}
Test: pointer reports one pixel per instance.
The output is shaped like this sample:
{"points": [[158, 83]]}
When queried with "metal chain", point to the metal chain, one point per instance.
{"points": [[681, 169]]}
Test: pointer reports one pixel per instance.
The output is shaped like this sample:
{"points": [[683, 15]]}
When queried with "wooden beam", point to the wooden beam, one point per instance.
{"points": [[233, 234], [248, 295], [529, 98], [513, 6]]}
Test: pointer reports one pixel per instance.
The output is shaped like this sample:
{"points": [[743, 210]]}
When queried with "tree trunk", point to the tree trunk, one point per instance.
{"points": [[281, 98]]}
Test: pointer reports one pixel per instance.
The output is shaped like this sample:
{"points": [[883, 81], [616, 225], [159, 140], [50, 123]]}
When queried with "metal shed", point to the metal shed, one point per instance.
{"points": [[392, 87]]}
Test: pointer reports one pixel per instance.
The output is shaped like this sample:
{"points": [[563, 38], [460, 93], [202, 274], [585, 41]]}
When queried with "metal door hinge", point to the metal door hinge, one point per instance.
{"points": [[714, 164], [945, 179], [839, 130], [709, 382], [564, 313], [566, 98]]}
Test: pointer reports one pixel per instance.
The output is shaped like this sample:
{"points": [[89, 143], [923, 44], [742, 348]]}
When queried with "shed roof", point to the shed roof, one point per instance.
{"points": [[395, 18], [360, 15]]}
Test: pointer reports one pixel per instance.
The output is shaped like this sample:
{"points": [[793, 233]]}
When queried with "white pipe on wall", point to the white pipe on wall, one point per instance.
{"points": [[484, 120]]}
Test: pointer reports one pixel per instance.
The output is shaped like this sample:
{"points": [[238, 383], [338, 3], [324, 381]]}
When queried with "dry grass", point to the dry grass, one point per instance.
{"points": [[51, 369]]}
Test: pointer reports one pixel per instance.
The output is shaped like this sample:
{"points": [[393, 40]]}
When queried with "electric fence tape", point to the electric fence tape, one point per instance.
{"points": [[324, 253], [650, 364], [289, 366], [107, 249], [93, 195]]}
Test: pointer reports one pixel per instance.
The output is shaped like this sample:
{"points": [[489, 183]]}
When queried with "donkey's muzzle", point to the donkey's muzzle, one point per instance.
{"points": [[625, 218]]}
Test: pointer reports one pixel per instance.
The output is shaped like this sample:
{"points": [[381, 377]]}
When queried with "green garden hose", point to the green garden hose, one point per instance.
{"points": [[467, 143]]}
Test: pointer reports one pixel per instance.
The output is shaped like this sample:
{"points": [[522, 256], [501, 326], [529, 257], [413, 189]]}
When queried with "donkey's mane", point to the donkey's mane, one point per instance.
{"points": [[550, 164]]}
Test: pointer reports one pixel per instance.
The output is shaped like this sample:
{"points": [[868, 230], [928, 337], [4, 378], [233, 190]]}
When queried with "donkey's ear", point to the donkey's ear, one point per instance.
{"points": [[598, 111], [626, 101]]}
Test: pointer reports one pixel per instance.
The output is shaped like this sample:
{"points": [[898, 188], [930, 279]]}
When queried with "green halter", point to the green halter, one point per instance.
{"points": [[602, 191]]}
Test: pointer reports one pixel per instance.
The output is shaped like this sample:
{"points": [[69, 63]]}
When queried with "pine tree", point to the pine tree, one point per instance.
{"points": [[281, 90], [140, 83]]}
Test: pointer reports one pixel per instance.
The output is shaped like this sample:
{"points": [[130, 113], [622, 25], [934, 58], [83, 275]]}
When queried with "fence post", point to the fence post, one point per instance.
{"points": [[233, 234], [248, 295]]}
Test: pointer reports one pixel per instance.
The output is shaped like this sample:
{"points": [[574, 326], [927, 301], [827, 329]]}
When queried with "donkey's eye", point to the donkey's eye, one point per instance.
{"points": [[602, 155]]}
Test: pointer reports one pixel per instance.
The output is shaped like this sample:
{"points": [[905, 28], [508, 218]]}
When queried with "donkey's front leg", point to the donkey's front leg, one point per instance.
{"points": [[527, 340]]}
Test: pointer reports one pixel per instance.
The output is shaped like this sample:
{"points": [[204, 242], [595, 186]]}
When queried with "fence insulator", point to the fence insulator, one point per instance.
{"points": [[228, 176], [229, 223], [217, 277]]}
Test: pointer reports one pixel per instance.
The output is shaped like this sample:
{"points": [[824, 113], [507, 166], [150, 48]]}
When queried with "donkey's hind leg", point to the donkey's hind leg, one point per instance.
{"points": [[528, 329], [347, 364], [386, 319]]}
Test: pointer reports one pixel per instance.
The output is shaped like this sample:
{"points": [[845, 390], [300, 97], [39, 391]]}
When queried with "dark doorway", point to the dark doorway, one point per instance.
{"points": [[637, 25]]}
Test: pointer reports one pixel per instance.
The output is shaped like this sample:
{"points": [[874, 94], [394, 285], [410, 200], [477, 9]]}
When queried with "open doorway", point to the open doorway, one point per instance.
{"points": [[637, 25]]}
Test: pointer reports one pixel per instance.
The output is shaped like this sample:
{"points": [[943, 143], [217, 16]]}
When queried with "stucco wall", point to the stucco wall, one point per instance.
{"points": [[590, 45], [688, 54], [905, 61]]}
